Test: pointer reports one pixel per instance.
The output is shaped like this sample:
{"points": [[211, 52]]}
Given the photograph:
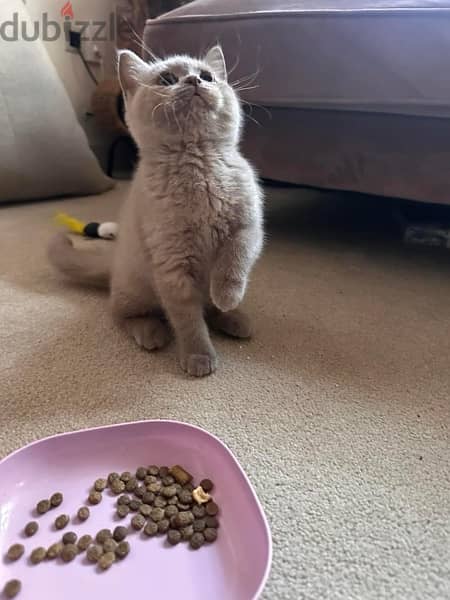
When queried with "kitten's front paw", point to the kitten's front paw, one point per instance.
{"points": [[199, 365], [227, 294]]}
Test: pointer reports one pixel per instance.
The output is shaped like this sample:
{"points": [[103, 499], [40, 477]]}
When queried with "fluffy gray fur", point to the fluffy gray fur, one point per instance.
{"points": [[191, 228]]}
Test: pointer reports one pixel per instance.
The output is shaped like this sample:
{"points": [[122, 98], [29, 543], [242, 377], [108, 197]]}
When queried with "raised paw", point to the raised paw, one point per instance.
{"points": [[149, 333], [227, 294], [234, 323], [199, 365]]}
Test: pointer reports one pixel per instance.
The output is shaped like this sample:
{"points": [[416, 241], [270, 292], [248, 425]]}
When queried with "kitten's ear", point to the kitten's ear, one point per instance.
{"points": [[131, 70], [216, 61]]}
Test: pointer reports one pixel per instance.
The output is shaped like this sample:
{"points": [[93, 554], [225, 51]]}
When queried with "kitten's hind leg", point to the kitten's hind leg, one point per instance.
{"points": [[234, 323]]}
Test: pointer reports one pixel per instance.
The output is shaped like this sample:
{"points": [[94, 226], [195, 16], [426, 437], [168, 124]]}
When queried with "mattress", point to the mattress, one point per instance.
{"points": [[388, 56]]}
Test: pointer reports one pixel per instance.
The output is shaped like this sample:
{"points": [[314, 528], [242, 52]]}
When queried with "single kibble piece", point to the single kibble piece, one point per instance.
{"points": [[124, 499], [169, 491], [157, 514], [145, 510], [151, 529], [171, 511], [198, 511], [167, 481], [141, 473], [172, 501], [69, 552], [197, 541], [43, 506], [163, 526], [140, 491], [38, 555], [103, 535], [62, 521], [185, 496], [56, 499], [112, 477], [12, 588], [212, 522], [163, 472], [123, 511], [150, 479], [84, 542], [117, 486], [100, 485], [134, 505], [153, 470], [95, 497], [160, 502], [187, 532], [173, 537], [189, 487], [155, 487], [131, 485], [148, 498], [83, 513], [120, 533], [31, 528], [138, 522], [173, 522], [55, 550], [207, 485], [183, 507], [106, 561], [94, 553], [122, 550], [126, 476], [184, 518], [69, 538], [210, 534], [212, 509], [199, 525], [15, 552], [200, 496], [110, 545], [180, 475]]}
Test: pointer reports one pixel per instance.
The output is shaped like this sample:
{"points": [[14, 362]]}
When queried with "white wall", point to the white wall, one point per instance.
{"points": [[70, 68]]}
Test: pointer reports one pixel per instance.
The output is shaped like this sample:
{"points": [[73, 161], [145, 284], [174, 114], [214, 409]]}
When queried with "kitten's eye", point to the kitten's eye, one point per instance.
{"points": [[206, 76], [167, 78]]}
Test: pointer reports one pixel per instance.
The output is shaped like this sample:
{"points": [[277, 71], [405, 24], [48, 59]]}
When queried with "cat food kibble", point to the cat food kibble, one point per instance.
{"points": [[62, 521], [134, 505], [212, 522], [95, 497], [31, 528], [210, 535], [55, 550], [94, 553], [148, 498], [69, 552], [187, 532], [207, 485], [123, 511], [153, 470], [171, 511], [199, 525], [180, 475], [159, 502], [110, 545], [163, 472], [197, 541], [69, 538], [56, 499], [141, 473], [138, 522], [123, 549], [185, 496], [103, 535], [15, 552], [200, 496], [155, 488], [184, 518], [151, 529], [126, 476], [12, 588], [124, 499], [38, 555], [120, 533], [117, 486], [163, 525], [169, 491], [43, 506], [212, 509], [140, 491], [84, 542], [198, 511], [100, 485], [112, 477], [106, 561], [145, 510], [83, 513], [168, 480], [131, 485], [173, 537], [157, 514]]}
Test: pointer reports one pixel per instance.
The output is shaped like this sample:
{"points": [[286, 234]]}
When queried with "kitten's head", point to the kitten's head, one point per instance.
{"points": [[179, 98]]}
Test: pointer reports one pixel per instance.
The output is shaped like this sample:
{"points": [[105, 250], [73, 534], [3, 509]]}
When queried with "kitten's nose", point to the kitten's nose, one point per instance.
{"points": [[193, 80]]}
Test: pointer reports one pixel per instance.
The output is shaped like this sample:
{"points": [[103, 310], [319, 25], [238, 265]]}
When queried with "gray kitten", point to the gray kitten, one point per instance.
{"points": [[191, 228]]}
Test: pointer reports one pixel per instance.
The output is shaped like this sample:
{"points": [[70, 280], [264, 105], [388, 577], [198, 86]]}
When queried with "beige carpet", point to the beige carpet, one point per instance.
{"points": [[338, 409]]}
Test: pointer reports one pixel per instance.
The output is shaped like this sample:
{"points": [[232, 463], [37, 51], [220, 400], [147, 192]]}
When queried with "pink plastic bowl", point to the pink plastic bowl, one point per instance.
{"points": [[236, 567]]}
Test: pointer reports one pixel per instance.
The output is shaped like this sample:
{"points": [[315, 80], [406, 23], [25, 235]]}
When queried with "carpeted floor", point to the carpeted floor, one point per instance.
{"points": [[338, 409]]}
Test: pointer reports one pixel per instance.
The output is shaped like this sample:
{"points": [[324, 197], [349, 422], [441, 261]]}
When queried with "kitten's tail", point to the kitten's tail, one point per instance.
{"points": [[91, 267]]}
